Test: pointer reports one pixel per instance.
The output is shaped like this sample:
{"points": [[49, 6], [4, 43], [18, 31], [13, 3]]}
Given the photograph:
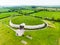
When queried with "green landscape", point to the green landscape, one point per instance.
{"points": [[30, 15]]}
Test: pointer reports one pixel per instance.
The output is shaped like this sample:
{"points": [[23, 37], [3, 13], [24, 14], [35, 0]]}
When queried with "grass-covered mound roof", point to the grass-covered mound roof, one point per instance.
{"points": [[27, 20]]}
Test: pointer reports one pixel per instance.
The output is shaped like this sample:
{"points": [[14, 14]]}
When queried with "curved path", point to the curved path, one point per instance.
{"points": [[40, 26]]}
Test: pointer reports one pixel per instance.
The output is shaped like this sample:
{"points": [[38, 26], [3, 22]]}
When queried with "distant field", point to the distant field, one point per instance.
{"points": [[46, 36], [3, 9], [27, 11], [47, 14], [3, 15]]}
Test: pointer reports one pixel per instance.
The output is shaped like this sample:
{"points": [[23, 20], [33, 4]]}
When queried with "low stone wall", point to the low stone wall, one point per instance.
{"points": [[29, 26]]}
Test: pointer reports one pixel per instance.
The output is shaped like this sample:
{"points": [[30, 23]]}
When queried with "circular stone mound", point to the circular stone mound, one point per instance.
{"points": [[28, 20]]}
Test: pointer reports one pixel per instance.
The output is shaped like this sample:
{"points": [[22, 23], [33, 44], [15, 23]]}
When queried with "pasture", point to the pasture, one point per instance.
{"points": [[46, 36]]}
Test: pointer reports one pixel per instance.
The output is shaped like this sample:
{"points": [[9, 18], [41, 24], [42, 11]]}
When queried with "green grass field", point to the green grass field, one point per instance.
{"points": [[47, 14], [27, 11], [46, 36]]}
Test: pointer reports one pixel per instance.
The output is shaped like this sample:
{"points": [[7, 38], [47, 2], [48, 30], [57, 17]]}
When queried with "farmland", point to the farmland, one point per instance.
{"points": [[46, 36]]}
